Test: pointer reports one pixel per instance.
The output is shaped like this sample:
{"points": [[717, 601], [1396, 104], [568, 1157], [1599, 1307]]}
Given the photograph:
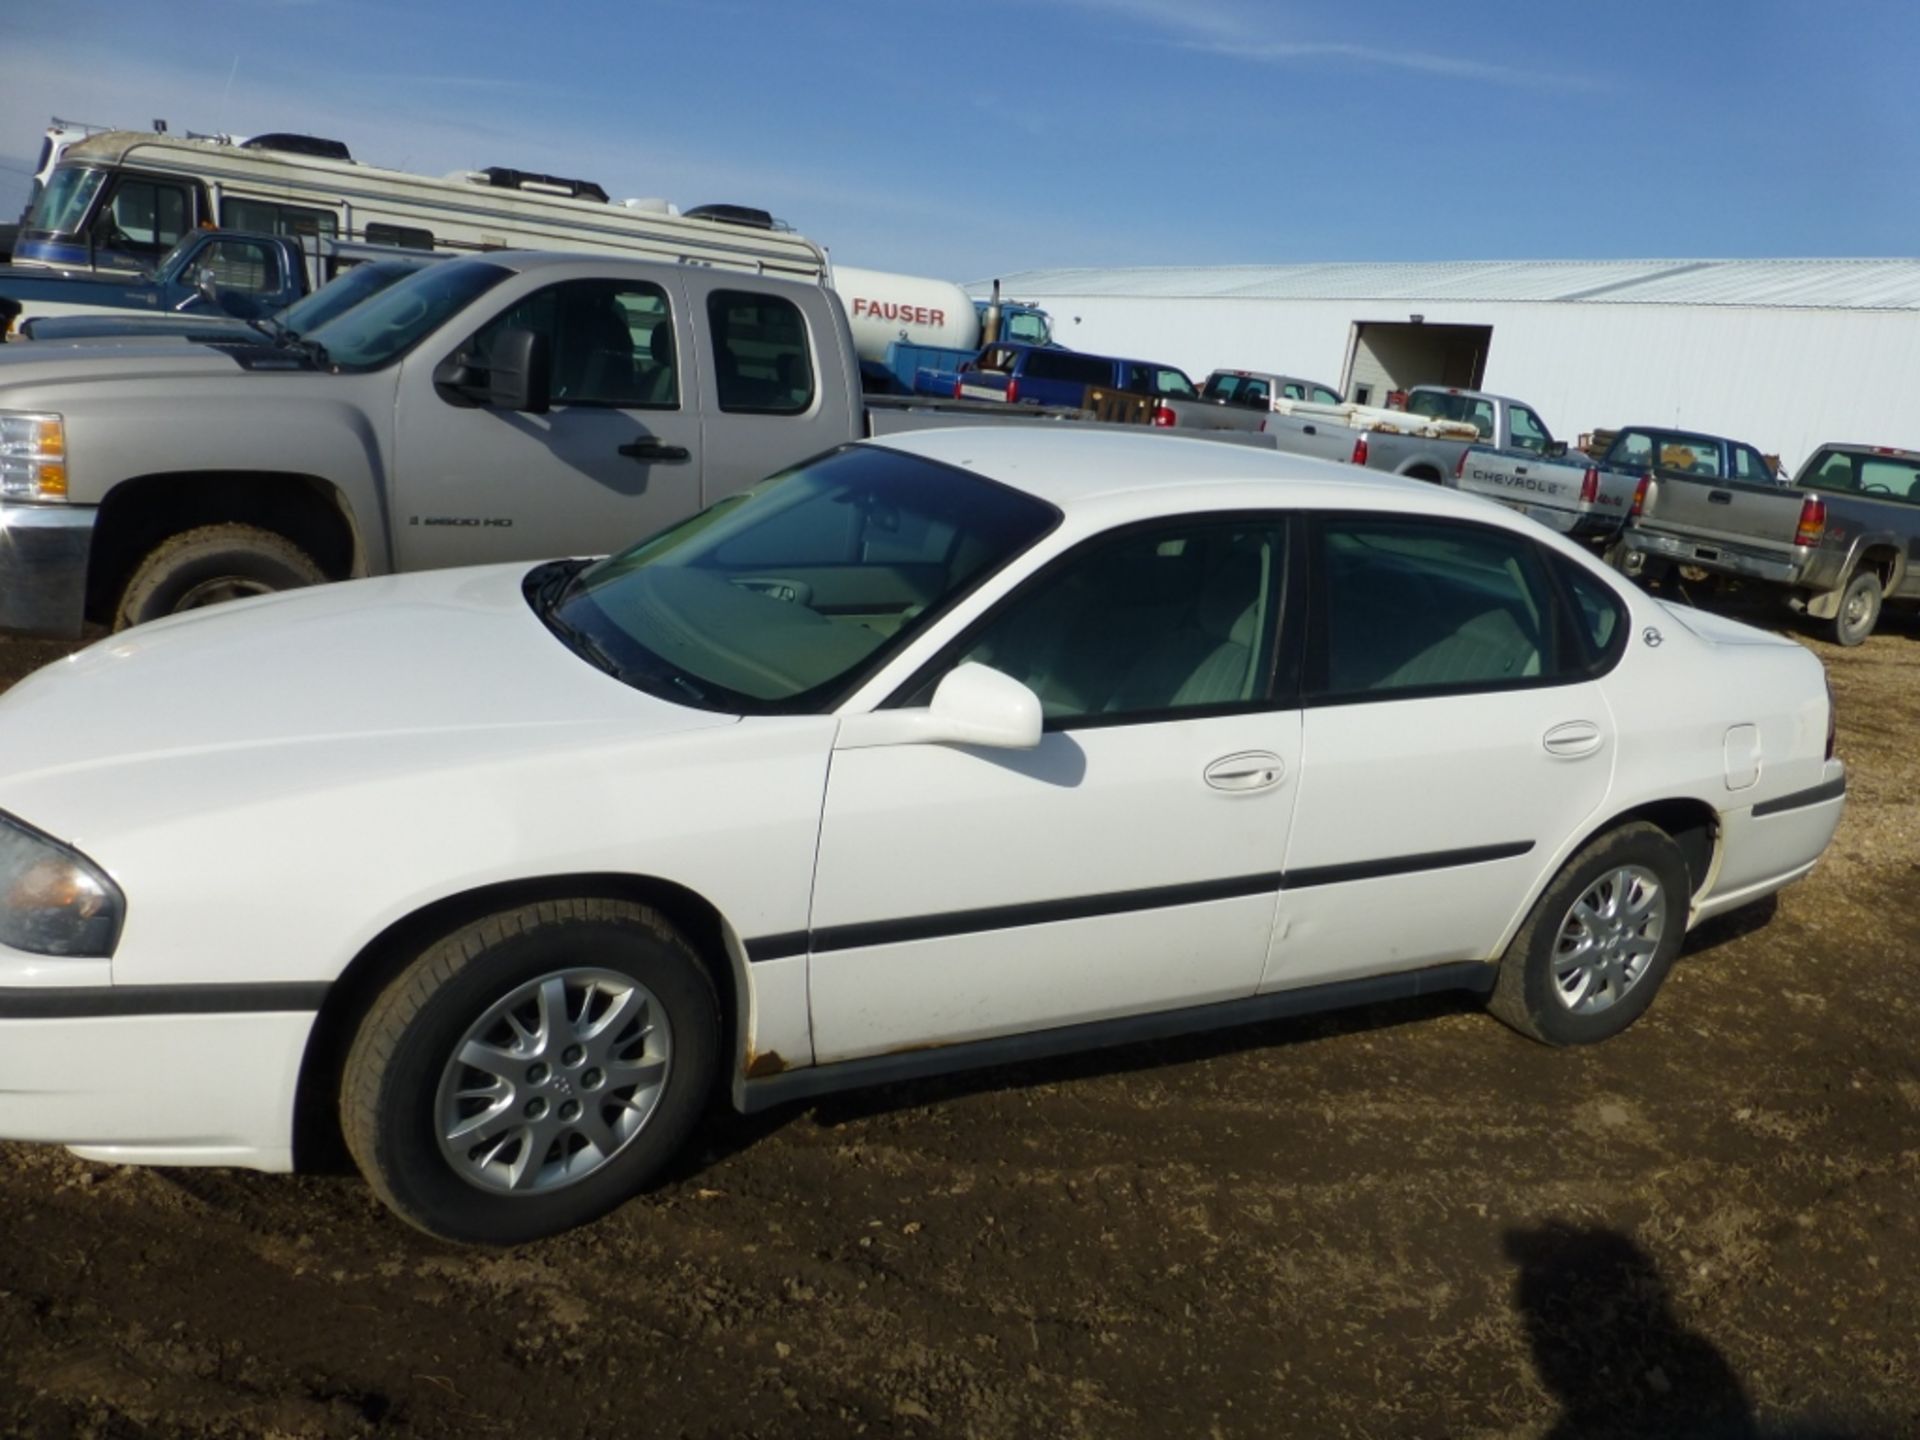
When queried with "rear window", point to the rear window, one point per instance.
{"points": [[1888, 477], [1446, 405]]}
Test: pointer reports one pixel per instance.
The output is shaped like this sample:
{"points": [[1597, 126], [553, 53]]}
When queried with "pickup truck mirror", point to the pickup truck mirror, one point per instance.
{"points": [[1556, 450], [519, 372]]}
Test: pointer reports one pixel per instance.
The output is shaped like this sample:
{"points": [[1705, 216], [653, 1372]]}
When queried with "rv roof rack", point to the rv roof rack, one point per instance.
{"points": [[506, 178], [298, 145], [736, 215]]}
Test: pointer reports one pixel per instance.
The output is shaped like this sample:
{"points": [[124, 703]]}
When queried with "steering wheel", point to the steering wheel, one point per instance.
{"points": [[792, 592], [1877, 489]]}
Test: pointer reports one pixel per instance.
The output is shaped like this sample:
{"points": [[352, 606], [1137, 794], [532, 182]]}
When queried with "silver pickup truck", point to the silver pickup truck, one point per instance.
{"points": [[1840, 541], [1239, 400], [1589, 499], [500, 407]]}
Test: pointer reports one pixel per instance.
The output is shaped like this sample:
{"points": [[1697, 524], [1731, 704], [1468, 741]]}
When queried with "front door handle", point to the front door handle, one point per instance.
{"points": [[1250, 770], [1573, 739], [647, 449]]}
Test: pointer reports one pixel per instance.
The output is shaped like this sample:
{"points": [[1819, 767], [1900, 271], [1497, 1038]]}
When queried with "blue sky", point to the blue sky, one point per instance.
{"points": [[979, 137]]}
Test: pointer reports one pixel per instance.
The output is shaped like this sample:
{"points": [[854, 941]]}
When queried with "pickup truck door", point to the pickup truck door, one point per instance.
{"points": [[616, 458]]}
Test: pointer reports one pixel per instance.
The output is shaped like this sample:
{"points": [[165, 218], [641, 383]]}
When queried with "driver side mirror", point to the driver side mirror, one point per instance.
{"points": [[973, 705], [518, 373], [1556, 449]]}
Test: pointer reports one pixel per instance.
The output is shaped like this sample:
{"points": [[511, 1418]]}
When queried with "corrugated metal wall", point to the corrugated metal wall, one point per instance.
{"points": [[1782, 379]]}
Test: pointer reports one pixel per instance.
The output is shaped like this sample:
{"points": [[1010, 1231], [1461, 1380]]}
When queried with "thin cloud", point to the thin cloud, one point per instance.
{"points": [[1213, 27]]}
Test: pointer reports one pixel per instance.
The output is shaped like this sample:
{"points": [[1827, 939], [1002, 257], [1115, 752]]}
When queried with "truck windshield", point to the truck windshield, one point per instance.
{"points": [[394, 321], [780, 600], [62, 207], [340, 295]]}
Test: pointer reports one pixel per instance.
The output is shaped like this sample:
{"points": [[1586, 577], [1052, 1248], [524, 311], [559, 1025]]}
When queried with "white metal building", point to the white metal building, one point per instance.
{"points": [[1783, 354]]}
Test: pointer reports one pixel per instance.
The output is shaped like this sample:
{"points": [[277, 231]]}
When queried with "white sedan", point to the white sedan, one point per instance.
{"points": [[967, 747]]}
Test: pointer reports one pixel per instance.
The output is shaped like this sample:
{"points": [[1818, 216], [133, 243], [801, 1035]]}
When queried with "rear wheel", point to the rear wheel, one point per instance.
{"points": [[1859, 609], [531, 1071], [208, 565], [1599, 942]]}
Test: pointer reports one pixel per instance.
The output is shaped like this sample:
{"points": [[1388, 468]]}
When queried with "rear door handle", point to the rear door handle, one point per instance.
{"points": [[1573, 739], [647, 449], [1249, 770]]}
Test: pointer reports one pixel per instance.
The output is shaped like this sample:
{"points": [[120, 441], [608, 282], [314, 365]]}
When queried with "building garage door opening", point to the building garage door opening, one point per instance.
{"points": [[1385, 356]]}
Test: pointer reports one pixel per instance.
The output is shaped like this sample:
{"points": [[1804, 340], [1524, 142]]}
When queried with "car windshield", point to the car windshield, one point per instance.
{"points": [[384, 328], [63, 205], [340, 295], [783, 598]]}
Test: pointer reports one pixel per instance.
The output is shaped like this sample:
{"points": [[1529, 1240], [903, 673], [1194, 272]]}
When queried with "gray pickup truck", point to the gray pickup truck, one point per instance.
{"points": [[1839, 541], [1239, 400], [500, 407], [1589, 499]]}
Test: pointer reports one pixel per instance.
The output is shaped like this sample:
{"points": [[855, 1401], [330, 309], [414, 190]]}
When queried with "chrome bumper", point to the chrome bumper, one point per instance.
{"points": [[43, 567], [1719, 558]]}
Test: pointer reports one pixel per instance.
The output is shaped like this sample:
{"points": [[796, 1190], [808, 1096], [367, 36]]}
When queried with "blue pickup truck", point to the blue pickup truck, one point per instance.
{"points": [[1035, 375], [255, 275]]}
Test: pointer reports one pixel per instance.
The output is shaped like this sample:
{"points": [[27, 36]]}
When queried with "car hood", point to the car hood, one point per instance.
{"points": [[304, 690], [44, 366], [1719, 630]]}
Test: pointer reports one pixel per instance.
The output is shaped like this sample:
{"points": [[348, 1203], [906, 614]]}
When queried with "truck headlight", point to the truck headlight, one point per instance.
{"points": [[53, 900], [33, 457]]}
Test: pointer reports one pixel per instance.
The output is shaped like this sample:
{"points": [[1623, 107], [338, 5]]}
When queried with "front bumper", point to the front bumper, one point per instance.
{"points": [[1717, 556], [155, 1088], [43, 567]]}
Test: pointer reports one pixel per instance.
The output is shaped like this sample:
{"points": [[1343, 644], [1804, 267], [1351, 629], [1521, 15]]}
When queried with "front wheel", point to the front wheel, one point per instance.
{"points": [[531, 1071], [210, 564], [1859, 609], [1599, 942]]}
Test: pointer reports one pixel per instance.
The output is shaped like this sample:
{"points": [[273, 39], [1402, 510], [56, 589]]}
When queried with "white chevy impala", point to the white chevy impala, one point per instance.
{"points": [[963, 748]]}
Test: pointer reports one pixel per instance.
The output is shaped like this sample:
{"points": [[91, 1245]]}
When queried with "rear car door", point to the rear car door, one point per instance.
{"points": [[1129, 863], [616, 458], [1455, 735]]}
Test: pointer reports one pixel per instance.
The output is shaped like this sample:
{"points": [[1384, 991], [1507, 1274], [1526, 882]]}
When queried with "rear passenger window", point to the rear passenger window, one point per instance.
{"points": [[762, 362], [1599, 617], [1410, 607], [1634, 449]]}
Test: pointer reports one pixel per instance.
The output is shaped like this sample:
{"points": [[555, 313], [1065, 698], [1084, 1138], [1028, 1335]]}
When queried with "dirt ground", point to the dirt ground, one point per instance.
{"points": [[1402, 1221]]}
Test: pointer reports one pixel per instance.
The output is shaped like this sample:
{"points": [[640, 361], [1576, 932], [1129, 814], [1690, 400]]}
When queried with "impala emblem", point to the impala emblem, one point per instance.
{"points": [[1652, 636]]}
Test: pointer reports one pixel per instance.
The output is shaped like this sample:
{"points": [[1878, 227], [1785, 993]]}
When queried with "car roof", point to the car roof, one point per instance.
{"points": [[1120, 471]]}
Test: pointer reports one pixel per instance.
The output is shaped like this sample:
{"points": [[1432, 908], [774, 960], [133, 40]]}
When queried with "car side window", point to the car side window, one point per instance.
{"points": [[1480, 416], [1600, 619], [1635, 448], [1410, 606], [611, 342], [246, 266], [1324, 396], [762, 357], [1174, 617], [1528, 433], [1750, 465]]}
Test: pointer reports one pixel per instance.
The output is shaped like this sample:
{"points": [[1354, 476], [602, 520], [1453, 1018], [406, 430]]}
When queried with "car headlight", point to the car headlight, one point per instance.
{"points": [[33, 456], [53, 900]]}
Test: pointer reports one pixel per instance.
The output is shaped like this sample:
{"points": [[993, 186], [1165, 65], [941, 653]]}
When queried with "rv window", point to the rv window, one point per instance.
{"points": [[62, 207], [761, 361], [381, 233], [144, 215], [247, 266], [273, 219]]}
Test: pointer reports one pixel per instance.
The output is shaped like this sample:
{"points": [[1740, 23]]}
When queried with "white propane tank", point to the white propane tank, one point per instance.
{"points": [[883, 308]]}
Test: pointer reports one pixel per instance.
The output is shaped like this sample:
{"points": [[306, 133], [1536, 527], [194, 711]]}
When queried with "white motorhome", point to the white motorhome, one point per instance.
{"points": [[118, 200]]}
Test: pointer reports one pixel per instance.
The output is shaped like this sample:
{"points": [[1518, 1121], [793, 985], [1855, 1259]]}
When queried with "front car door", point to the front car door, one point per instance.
{"points": [[616, 458], [1455, 736], [1129, 863]]}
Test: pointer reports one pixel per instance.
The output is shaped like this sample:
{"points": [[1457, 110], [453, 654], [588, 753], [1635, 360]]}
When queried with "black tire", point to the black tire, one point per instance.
{"points": [[210, 564], [1859, 609], [399, 1071], [1529, 994]]}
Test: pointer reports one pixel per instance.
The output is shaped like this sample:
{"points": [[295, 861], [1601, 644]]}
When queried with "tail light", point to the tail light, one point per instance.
{"points": [[1590, 486], [1013, 389], [1813, 521], [1263, 427], [1164, 417], [958, 381], [1359, 456], [1460, 466], [1639, 506], [1833, 717]]}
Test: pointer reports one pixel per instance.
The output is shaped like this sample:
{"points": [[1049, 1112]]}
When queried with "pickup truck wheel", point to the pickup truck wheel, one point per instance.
{"points": [[1599, 941], [210, 564], [531, 1071], [1859, 609]]}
